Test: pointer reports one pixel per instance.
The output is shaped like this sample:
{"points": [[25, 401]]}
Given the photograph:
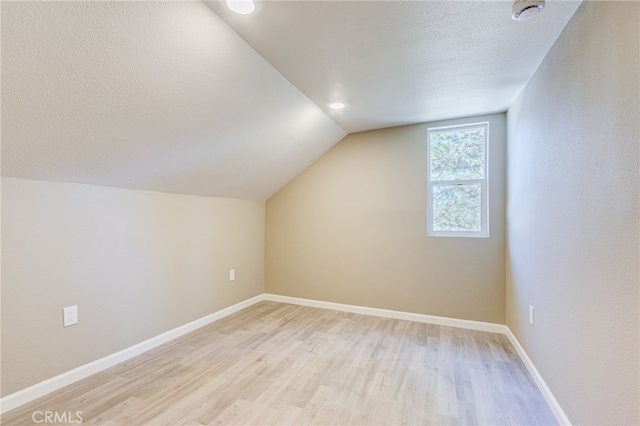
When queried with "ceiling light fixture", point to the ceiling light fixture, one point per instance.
{"points": [[523, 10], [337, 105], [243, 7]]}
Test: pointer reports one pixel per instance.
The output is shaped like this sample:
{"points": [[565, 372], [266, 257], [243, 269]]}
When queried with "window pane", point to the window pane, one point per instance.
{"points": [[458, 154], [457, 207]]}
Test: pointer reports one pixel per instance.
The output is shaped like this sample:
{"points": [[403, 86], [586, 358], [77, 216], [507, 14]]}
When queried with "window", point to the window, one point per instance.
{"points": [[457, 181]]}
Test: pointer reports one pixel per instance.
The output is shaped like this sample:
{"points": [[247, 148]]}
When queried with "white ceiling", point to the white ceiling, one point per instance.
{"points": [[165, 96], [401, 62], [159, 96]]}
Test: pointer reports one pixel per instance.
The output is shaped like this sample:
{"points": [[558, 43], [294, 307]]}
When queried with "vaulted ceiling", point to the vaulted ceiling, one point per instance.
{"points": [[401, 62], [181, 97]]}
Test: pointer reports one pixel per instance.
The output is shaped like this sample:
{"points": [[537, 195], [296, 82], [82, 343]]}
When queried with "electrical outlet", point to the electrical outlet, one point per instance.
{"points": [[70, 315], [531, 314], [232, 274]]}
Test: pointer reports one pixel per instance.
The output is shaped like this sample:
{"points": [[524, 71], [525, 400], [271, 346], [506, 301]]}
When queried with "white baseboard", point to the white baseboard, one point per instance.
{"points": [[386, 313], [537, 378], [38, 390]]}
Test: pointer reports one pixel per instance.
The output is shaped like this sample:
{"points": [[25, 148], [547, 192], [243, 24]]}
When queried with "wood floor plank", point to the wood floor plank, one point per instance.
{"points": [[281, 364]]}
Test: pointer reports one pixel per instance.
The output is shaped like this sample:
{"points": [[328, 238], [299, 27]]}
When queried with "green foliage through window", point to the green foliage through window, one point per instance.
{"points": [[457, 180], [457, 155], [457, 207]]}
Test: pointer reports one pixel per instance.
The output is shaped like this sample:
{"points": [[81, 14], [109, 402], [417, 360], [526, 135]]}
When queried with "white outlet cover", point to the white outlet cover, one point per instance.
{"points": [[232, 274], [70, 315], [531, 314]]}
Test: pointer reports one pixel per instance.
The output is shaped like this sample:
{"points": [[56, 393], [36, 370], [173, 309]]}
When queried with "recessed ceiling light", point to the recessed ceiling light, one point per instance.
{"points": [[243, 7], [336, 105]]}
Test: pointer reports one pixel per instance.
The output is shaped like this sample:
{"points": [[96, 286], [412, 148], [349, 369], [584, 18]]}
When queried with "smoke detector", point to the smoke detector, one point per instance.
{"points": [[523, 10]]}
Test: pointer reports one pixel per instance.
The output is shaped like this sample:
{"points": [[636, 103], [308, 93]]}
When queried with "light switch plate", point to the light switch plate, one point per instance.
{"points": [[232, 274]]}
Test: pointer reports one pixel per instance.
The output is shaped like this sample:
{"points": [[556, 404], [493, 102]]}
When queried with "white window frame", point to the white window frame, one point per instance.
{"points": [[484, 183]]}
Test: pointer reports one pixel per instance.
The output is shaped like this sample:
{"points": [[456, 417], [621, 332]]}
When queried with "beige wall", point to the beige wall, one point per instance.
{"points": [[352, 229], [573, 215], [136, 263]]}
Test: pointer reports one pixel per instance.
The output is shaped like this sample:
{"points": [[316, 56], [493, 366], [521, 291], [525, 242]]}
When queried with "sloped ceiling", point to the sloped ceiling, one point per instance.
{"points": [[159, 96], [402, 62], [166, 96]]}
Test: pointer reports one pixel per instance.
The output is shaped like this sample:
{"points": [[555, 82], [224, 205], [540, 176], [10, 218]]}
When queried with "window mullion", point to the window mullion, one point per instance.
{"points": [[458, 182]]}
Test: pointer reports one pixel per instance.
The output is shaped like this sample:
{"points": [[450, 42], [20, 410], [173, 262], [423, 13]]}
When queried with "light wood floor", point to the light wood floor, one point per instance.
{"points": [[276, 363]]}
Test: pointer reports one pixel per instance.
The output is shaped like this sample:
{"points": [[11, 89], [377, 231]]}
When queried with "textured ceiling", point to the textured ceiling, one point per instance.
{"points": [[165, 96], [159, 96], [402, 62]]}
